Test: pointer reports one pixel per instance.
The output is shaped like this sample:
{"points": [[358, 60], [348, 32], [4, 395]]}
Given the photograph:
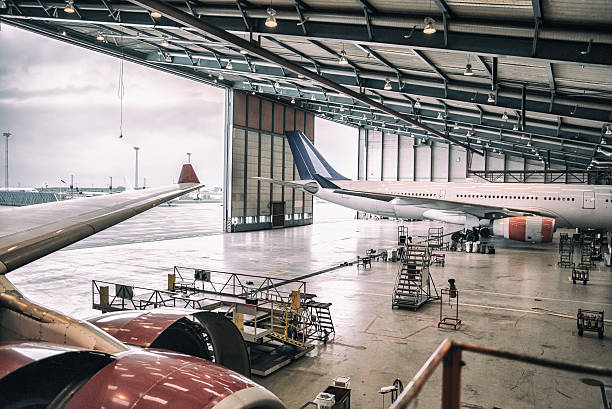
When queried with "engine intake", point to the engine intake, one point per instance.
{"points": [[206, 335], [535, 229]]}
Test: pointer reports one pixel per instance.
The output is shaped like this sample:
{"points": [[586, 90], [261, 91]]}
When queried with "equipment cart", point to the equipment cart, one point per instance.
{"points": [[588, 320], [580, 275]]}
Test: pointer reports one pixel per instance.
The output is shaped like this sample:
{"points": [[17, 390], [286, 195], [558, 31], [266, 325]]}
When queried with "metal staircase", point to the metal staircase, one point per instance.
{"points": [[320, 325], [413, 284], [566, 251]]}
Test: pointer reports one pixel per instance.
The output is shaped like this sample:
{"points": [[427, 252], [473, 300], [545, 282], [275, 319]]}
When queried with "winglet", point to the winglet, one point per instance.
{"points": [[325, 183], [188, 175]]}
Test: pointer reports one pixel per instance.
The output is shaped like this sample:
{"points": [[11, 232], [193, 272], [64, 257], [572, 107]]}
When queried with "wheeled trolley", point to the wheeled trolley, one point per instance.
{"points": [[588, 320], [580, 275]]}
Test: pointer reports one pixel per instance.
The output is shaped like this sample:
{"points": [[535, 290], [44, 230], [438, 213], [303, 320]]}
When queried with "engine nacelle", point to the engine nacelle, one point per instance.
{"points": [[535, 229], [202, 334]]}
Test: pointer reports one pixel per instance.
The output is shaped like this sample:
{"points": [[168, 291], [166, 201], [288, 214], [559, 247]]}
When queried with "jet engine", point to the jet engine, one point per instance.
{"points": [[204, 334], [535, 229], [37, 375]]}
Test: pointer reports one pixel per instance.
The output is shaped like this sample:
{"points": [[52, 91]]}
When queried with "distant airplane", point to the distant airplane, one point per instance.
{"points": [[127, 359], [524, 212]]}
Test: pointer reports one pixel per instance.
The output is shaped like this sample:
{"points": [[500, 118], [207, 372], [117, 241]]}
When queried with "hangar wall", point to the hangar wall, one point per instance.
{"points": [[255, 145], [387, 156]]}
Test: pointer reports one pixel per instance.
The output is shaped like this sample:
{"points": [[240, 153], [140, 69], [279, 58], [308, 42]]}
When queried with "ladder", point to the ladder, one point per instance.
{"points": [[321, 324], [412, 284], [435, 237], [566, 251], [586, 250]]}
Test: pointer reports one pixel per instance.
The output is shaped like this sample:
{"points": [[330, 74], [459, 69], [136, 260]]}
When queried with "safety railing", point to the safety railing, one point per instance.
{"points": [[242, 285], [449, 353]]}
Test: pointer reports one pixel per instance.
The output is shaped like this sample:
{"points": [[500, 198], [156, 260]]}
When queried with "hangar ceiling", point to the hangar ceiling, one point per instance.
{"points": [[541, 83]]}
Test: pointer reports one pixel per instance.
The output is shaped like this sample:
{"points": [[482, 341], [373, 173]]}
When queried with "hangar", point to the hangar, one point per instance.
{"points": [[503, 94]]}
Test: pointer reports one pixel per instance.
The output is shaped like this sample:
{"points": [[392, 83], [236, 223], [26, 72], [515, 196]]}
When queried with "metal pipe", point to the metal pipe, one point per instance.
{"points": [[548, 363], [416, 384], [418, 381]]}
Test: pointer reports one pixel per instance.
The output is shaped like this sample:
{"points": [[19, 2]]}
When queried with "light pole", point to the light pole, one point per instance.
{"points": [[136, 148], [188, 157], [6, 135]]}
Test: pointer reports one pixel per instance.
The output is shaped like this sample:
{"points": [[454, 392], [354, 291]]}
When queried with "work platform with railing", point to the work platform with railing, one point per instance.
{"points": [[278, 319]]}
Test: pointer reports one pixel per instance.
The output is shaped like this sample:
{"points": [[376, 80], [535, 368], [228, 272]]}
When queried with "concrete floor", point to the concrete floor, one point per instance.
{"points": [[513, 300]]}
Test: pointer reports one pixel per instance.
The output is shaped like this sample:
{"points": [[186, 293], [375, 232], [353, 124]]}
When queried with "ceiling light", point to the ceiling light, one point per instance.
{"points": [[244, 52], [359, 123], [364, 116], [608, 130], [429, 28], [319, 110], [168, 58], [300, 75], [63, 33], [505, 116], [165, 42], [156, 14], [312, 97], [221, 77], [342, 60], [229, 65], [603, 140], [253, 92], [468, 70], [387, 85], [341, 108], [417, 104], [515, 127], [100, 37], [440, 116], [491, 98], [3, 4], [69, 6], [277, 84], [292, 100], [528, 143], [468, 134], [271, 20]]}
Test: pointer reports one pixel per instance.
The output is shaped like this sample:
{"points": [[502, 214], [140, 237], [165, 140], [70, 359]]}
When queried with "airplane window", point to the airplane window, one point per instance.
{"points": [[572, 199]]}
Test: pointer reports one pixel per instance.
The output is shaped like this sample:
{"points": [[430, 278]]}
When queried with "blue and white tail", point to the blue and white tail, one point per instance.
{"points": [[308, 160]]}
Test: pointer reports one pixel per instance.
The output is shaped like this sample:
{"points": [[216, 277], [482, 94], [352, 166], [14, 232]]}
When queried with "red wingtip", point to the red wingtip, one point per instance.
{"points": [[188, 175]]}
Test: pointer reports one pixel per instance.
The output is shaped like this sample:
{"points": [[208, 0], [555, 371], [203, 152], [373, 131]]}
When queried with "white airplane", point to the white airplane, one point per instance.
{"points": [[524, 212], [140, 359]]}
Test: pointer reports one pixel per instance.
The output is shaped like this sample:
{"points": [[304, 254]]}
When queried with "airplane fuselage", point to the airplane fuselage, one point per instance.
{"points": [[572, 206]]}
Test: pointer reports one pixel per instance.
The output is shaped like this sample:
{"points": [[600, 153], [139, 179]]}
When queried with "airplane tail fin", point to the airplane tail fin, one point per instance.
{"points": [[188, 175], [308, 160]]}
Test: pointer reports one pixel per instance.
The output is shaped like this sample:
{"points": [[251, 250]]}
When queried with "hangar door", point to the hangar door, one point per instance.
{"points": [[255, 145]]}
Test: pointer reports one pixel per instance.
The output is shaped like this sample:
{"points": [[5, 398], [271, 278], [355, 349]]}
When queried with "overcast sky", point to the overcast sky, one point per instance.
{"points": [[60, 103]]}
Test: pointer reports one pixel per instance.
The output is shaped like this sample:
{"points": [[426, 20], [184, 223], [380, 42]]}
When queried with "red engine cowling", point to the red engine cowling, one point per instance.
{"points": [[39, 374], [202, 334], [535, 229]]}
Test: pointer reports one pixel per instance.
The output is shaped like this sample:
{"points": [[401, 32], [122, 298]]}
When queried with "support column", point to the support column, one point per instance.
{"points": [[227, 159]]}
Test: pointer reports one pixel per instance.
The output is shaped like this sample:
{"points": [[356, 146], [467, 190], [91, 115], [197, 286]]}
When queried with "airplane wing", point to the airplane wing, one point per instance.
{"points": [[308, 186], [31, 232]]}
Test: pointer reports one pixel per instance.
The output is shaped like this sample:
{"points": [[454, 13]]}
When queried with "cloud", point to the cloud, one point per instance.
{"points": [[60, 103]]}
